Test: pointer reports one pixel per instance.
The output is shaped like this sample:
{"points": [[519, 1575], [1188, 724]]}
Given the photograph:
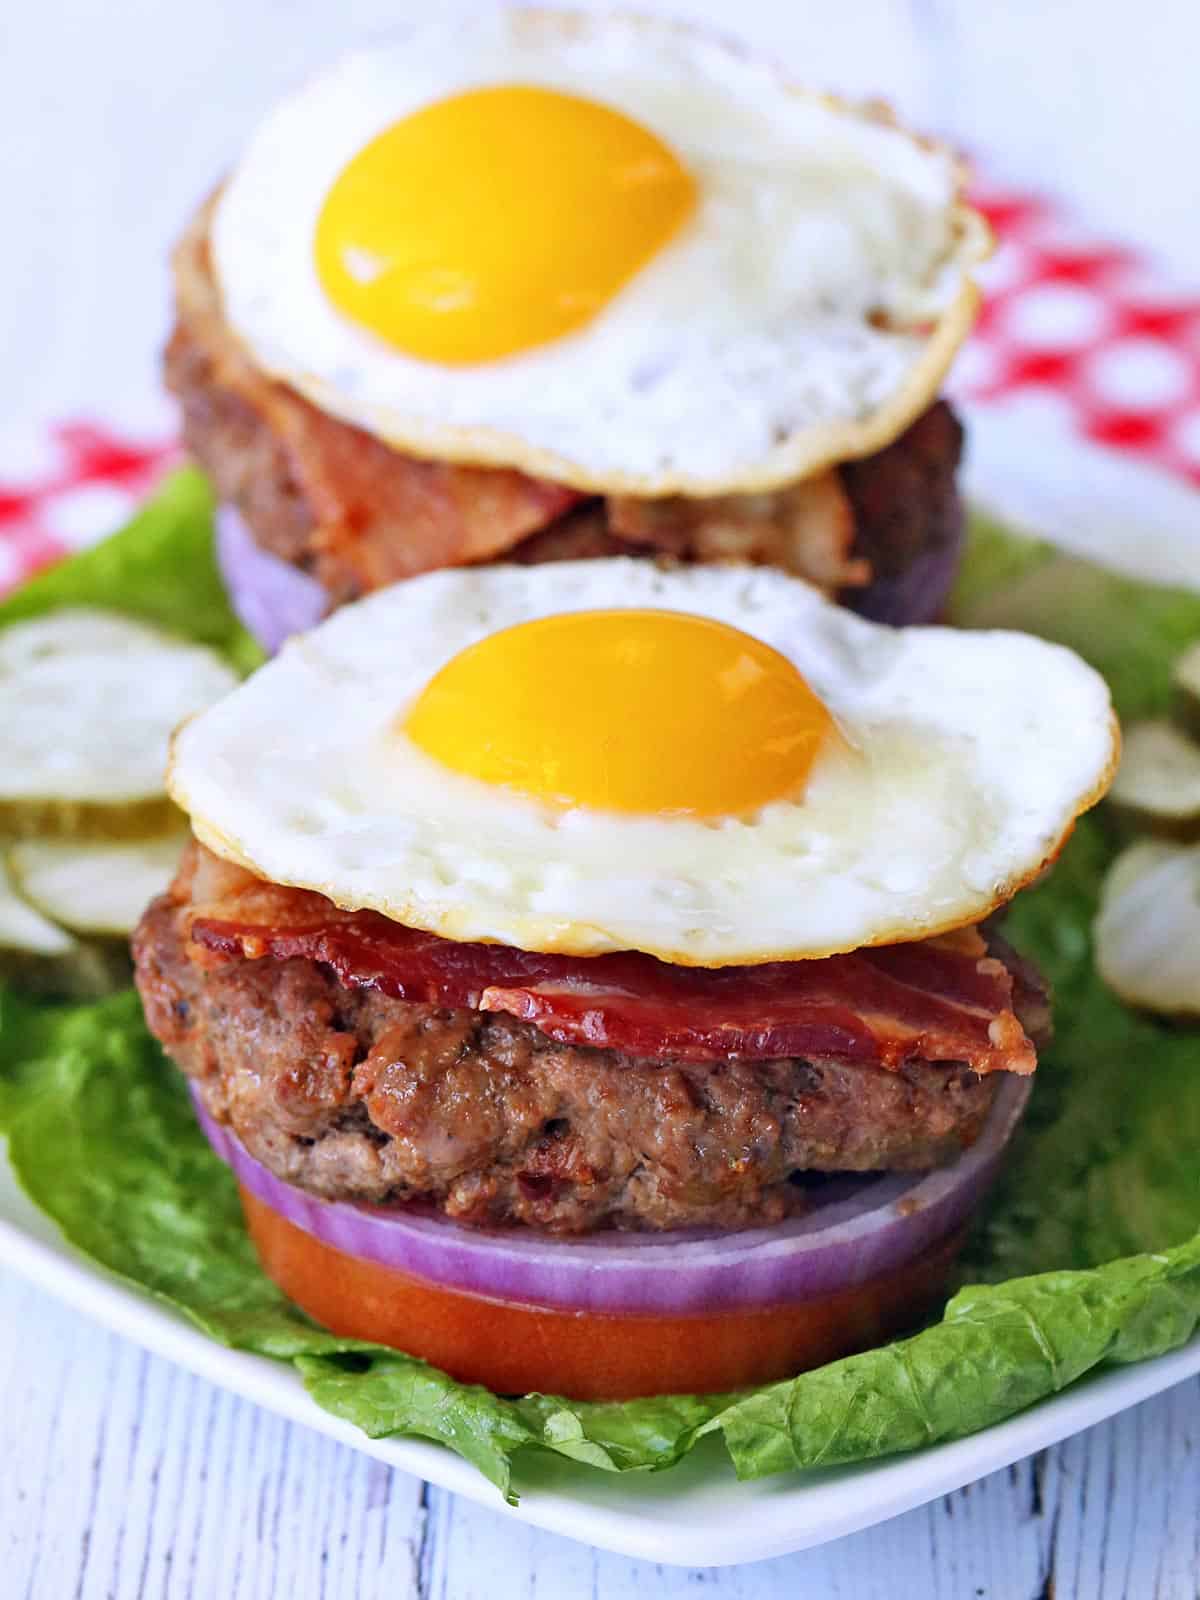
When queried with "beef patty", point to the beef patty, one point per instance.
{"points": [[358, 514], [354, 1095]]}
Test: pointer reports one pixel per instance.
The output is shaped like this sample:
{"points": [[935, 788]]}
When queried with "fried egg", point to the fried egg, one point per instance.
{"points": [[714, 765], [612, 251]]}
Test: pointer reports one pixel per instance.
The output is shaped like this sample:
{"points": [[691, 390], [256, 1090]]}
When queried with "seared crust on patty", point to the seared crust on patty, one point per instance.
{"points": [[354, 1095], [358, 514]]}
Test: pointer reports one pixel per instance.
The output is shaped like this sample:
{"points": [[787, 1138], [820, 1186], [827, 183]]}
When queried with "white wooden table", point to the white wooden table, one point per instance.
{"points": [[120, 1476]]}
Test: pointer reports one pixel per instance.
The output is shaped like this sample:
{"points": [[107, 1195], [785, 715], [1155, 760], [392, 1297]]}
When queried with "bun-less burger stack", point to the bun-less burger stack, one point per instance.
{"points": [[540, 285], [585, 962], [589, 970]]}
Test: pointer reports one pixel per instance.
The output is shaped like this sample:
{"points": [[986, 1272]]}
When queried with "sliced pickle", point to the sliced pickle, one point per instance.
{"points": [[1147, 930], [44, 959], [81, 820], [90, 970], [1157, 787], [88, 702], [1185, 681], [94, 888], [22, 927]]}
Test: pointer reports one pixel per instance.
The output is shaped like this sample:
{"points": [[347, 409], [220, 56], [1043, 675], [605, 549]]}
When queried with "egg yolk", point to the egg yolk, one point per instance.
{"points": [[496, 220], [648, 712]]}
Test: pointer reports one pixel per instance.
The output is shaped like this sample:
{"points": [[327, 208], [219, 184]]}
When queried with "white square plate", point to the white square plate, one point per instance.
{"points": [[698, 1514]]}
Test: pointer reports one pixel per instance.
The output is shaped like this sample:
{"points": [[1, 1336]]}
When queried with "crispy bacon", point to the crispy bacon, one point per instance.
{"points": [[942, 999], [806, 528], [438, 513]]}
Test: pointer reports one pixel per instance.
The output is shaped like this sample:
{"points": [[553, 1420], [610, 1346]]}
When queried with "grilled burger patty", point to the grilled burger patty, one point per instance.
{"points": [[354, 1095], [357, 514]]}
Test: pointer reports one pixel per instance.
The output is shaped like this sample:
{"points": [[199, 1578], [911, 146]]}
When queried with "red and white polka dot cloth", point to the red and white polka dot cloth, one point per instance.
{"points": [[1091, 328], [1085, 328], [66, 486]]}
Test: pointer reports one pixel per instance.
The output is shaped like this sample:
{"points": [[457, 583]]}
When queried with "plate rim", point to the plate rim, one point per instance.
{"points": [[775, 1516]]}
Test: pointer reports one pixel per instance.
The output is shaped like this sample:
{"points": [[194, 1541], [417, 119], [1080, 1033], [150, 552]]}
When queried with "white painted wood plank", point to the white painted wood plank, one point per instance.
{"points": [[1113, 1514], [121, 1476]]}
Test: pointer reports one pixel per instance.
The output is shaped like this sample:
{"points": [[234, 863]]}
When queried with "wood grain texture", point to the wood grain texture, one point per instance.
{"points": [[121, 1477]]}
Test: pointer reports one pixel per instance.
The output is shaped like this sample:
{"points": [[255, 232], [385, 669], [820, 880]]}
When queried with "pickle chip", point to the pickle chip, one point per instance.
{"points": [[1147, 930], [88, 702], [42, 958], [1185, 681], [24, 928], [1157, 786], [91, 887]]}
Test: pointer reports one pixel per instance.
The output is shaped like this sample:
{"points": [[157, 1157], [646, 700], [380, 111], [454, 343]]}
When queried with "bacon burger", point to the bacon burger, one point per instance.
{"points": [[536, 285], [587, 970]]}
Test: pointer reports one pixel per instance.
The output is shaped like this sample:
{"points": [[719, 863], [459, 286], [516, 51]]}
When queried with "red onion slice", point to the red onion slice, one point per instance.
{"points": [[275, 599], [883, 1223], [272, 598], [917, 595]]}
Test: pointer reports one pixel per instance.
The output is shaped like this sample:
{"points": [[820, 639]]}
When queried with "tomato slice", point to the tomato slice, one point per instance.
{"points": [[513, 1349]]}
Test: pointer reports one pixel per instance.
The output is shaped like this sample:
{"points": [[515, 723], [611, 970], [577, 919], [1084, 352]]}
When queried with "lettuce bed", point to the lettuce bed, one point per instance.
{"points": [[1089, 1254]]}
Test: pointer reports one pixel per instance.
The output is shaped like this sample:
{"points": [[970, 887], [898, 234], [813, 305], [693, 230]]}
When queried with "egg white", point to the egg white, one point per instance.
{"points": [[962, 762], [748, 352]]}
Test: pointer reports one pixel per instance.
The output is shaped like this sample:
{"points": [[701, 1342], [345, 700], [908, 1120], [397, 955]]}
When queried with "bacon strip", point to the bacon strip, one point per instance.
{"points": [[806, 528], [942, 999]]}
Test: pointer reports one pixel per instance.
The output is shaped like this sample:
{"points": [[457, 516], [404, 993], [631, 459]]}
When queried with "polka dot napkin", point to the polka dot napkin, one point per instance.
{"points": [[1090, 328], [66, 486], [1087, 330]]}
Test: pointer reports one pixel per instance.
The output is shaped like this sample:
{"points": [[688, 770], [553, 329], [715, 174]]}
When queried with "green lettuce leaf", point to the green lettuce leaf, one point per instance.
{"points": [[1088, 1256], [102, 1137], [997, 1350], [161, 567], [1131, 632]]}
